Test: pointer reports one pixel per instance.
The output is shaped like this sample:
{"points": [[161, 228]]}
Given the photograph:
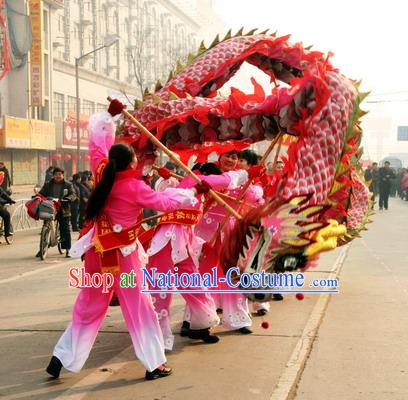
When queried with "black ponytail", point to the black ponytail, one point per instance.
{"points": [[120, 156]]}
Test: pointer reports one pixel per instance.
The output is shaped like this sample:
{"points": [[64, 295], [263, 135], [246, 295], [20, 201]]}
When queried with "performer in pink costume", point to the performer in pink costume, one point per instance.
{"points": [[235, 314], [120, 198], [175, 245], [247, 159]]}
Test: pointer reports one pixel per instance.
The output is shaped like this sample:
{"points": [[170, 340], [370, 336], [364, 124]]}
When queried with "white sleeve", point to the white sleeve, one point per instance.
{"points": [[258, 191], [238, 178], [185, 196]]}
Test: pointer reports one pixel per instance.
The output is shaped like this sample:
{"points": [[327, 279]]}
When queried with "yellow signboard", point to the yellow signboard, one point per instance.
{"points": [[36, 53], [16, 133], [42, 135]]}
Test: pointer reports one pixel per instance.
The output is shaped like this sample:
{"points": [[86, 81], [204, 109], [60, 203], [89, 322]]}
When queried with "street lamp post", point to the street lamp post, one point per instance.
{"points": [[109, 41]]}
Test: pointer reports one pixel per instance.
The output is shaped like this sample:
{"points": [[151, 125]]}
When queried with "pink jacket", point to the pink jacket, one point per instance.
{"points": [[215, 214], [184, 242]]}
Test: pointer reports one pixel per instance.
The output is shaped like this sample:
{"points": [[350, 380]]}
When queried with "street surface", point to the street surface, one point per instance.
{"points": [[350, 345]]}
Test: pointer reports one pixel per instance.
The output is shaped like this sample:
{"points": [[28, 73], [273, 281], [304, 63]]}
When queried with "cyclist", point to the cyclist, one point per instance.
{"points": [[59, 188], [6, 199]]}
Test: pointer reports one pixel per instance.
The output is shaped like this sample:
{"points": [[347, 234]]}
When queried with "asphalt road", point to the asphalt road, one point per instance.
{"points": [[350, 345]]}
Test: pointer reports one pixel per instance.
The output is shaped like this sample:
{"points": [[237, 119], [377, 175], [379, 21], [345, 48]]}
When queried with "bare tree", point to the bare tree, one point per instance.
{"points": [[141, 57]]}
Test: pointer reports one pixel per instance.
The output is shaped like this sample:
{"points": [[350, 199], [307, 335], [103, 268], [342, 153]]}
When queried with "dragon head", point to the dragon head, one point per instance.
{"points": [[322, 190]]}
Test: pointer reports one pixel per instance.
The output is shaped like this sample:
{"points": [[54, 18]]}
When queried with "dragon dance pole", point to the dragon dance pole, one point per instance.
{"points": [[275, 160], [244, 189], [173, 157]]}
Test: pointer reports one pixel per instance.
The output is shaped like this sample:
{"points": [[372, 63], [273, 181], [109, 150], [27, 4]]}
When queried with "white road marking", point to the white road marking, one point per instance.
{"points": [[290, 377]]}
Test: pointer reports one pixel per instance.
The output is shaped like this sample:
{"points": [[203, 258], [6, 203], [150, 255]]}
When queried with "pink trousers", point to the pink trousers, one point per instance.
{"points": [[201, 305], [90, 308], [235, 312]]}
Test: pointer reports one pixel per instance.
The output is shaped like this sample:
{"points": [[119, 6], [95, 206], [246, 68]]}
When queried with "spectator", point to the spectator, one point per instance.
{"points": [[371, 176], [367, 173], [58, 188], [386, 175], [5, 199], [90, 181], [404, 184], [279, 166], [83, 199], [76, 182], [48, 174], [398, 181], [272, 180], [5, 180]]}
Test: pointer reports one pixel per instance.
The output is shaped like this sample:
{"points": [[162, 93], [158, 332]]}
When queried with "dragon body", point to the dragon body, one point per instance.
{"points": [[322, 201]]}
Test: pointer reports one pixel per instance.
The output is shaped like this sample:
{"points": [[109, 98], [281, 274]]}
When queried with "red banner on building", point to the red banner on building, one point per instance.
{"points": [[36, 53], [69, 136]]}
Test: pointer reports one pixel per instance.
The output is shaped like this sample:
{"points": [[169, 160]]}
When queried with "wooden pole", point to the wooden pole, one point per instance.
{"points": [[275, 160], [173, 157]]}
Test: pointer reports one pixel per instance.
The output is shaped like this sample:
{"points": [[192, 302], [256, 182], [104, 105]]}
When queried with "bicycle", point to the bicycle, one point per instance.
{"points": [[8, 239], [50, 234]]}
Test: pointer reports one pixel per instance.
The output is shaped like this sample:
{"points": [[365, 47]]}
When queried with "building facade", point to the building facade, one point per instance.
{"points": [[38, 104], [386, 128]]}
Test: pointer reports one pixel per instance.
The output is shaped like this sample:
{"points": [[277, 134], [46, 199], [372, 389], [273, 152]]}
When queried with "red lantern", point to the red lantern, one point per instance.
{"points": [[67, 157], [56, 156]]}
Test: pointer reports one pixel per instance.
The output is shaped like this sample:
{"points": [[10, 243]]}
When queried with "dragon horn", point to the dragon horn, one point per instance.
{"points": [[190, 59], [158, 86], [156, 99], [146, 93], [170, 76], [357, 84], [239, 33], [173, 96], [363, 95], [202, 48], [360, 113], [227, 36], [179, 67], [251, 32], [215, 42]]}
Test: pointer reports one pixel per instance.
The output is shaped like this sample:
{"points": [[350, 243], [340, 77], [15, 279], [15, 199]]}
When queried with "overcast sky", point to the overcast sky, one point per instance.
{"points": [[368, 38]]}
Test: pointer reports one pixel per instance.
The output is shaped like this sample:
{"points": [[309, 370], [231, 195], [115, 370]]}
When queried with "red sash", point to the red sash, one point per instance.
{"points": [[99, 170], [108, 242], [183, 216]]}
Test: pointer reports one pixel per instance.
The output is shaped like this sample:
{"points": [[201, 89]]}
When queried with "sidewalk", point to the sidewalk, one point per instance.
{"points": [[362, 345]]}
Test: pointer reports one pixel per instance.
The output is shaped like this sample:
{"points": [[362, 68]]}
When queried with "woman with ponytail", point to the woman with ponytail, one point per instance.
{"points": [[111, 246]]}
